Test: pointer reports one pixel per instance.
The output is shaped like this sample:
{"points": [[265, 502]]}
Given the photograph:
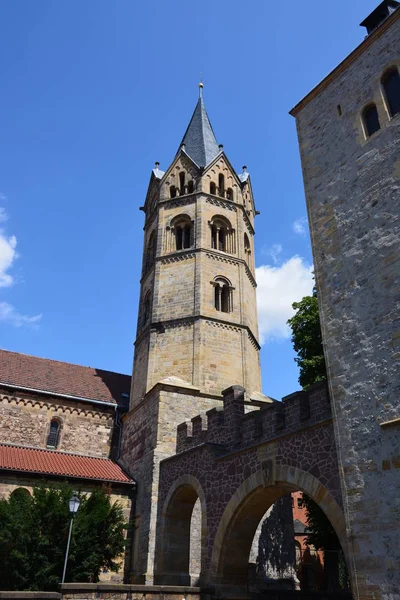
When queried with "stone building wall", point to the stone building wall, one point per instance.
{"points": [[149, 436], [352, 186], [85, 428]]}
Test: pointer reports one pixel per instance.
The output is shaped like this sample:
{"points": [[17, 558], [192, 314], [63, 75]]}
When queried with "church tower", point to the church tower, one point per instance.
{"points": [[197, 318]]}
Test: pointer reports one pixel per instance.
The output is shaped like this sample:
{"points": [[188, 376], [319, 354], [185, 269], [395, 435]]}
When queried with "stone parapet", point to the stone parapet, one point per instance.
{"points": [[232, 427]]}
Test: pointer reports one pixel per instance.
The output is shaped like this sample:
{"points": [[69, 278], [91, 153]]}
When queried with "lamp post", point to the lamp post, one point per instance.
{"points": [[74, 503]]}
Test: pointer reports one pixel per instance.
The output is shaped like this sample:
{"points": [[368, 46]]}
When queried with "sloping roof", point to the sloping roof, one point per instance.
{"points": [[199, 138], [51, 462], [22, 370]]}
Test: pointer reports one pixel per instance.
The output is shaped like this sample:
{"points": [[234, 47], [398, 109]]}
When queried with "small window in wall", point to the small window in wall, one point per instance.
{"points": [[221, 185], [54, 434], [229, 194], [222, 295], [247, 249], [172, 191], [370, 120], [150, 252], [213, 188], [391, 85], [146, 309], [182, 182], [190, 187]]}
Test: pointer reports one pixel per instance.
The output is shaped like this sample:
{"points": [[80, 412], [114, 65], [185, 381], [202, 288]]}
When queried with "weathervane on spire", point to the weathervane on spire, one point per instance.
{"points": [[201, 86]]}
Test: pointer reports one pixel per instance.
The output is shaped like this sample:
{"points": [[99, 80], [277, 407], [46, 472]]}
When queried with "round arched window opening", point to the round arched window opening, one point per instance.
{"points": [[54, 434]]}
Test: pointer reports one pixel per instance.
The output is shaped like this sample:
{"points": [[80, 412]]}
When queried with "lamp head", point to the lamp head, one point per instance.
{"points": [[74, 503]]}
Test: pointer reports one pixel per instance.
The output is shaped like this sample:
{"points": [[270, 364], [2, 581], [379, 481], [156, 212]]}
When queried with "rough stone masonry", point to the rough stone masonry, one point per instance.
{"points": [[353, 198]]}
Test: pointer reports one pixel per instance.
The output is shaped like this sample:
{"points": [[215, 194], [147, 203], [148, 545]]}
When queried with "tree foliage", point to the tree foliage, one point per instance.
{"points": [[34, 533], [307, 341]]}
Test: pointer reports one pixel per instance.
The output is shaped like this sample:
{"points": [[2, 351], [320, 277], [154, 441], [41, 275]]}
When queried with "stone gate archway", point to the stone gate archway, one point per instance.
{"points": [[176, 522], [239, 522]]}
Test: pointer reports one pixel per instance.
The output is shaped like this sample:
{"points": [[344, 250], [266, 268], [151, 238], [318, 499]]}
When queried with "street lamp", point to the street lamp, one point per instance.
{"points": [[74, 503]]}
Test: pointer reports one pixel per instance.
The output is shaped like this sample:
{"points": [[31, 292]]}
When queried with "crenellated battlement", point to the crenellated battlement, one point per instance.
{"points": [[242, 422]]}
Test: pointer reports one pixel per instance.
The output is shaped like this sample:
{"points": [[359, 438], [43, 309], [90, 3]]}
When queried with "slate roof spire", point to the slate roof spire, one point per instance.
{"points": [[199, 140]]}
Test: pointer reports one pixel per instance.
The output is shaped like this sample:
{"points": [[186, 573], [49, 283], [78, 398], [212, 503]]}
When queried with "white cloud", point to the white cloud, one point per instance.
{"points": [[274, 251], [278, 288], [8, 254], [9, 314], [300, 226]]}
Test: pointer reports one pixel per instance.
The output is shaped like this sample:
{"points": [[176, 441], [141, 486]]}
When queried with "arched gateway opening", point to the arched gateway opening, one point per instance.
{"points": [[180, 548], [229, 567]]}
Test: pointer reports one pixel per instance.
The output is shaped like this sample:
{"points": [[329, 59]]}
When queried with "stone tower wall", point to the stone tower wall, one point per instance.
{"points": [[352, 187]]}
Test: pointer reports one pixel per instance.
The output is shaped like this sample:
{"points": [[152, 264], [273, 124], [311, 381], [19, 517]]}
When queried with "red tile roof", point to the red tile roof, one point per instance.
{"points": [[51, 462], [21, 370]]}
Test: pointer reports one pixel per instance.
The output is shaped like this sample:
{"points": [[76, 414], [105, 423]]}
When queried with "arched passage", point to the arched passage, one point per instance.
{"points": [[236, 530], [182, 521]]}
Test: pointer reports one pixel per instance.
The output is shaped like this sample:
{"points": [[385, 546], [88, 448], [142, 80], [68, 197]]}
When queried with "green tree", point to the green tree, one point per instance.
{"points": [[307, 341], [34, 532]]}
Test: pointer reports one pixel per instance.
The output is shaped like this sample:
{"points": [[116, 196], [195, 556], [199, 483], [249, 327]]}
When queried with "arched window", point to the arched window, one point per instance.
{"points": [[182, 231], [190, 187], [146, 309], [182, 182], [391, 85], [222, 295], [370, 120], [172, 191], [229, 194], [54, 434], [222, 235], [213, 188], [20, 494], [221, 185], [247, 249], [150, 251]]}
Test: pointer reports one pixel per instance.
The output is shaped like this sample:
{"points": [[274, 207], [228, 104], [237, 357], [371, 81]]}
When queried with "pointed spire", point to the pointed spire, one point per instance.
{"points": [[199, 140]]}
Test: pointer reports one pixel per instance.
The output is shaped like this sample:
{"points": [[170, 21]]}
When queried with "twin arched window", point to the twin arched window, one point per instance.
{"points": [[54, 434], [223, 294], [390, 82], [222, 235], [182, 232]]}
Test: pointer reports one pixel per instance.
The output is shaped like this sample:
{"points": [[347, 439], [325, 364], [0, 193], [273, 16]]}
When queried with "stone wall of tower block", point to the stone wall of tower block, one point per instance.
{"points": [[140, 369], [149, 435], [25, 420], [171, 353], [252, 364], [221, 356], [352, 186], [9, 482], [173, 296]]}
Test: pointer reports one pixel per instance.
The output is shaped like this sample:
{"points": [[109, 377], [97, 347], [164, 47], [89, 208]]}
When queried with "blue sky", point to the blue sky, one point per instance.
{"points": [[92, 94]]}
